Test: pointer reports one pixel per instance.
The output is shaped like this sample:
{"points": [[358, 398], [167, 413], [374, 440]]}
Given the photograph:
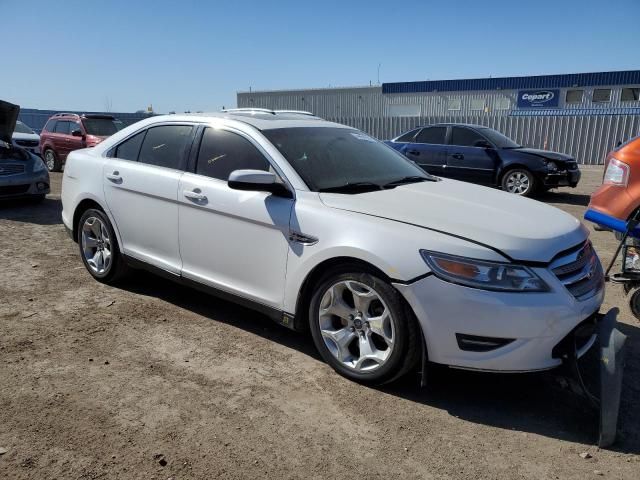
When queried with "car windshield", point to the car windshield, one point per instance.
{"points": [[498, 139], [329, 159], [102, 127], [22, 128]]}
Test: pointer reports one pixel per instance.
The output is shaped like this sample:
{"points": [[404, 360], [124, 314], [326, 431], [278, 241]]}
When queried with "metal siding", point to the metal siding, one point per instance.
{"points": [[586, 130]]}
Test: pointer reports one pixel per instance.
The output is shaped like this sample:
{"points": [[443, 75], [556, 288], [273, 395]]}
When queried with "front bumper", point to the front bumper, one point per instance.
{"points": [[534, 322], [566, 178], [24, 185]]}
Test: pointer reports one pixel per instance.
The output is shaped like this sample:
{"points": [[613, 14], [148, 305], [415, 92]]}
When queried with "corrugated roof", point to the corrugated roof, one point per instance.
{"points": [[563, 112], [516, 83]]}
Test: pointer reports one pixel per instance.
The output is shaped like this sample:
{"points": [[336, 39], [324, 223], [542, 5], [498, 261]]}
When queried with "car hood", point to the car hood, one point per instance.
{"points": [[555, 156], [8, 117], [26, 136], [520, 228]]}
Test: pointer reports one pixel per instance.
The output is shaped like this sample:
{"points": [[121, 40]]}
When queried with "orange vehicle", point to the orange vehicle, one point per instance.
{"points": [[616, 206], [613, 204]]}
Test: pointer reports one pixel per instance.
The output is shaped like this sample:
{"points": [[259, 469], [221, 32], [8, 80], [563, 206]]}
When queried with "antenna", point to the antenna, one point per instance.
{"points": [[379, 65]]}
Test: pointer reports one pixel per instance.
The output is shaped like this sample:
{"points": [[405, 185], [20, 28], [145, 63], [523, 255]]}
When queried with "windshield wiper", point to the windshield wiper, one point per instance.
{"points": [[409, 179], [355, 187]]}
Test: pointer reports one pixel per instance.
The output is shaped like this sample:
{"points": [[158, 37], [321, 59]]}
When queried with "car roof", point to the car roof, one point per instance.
{"points": [[451, 124], [261, 119]]}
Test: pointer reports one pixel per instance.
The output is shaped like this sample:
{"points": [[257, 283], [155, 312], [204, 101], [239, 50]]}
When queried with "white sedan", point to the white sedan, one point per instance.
{"points": [[326, 229]]}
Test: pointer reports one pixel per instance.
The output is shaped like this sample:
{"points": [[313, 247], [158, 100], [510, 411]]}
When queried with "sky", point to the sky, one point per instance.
{"points": [[181, 55]]}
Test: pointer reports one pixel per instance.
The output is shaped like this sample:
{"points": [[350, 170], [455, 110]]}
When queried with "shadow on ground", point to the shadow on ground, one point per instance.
{"points": [[539, 403], [46, 212], [564, 197]]}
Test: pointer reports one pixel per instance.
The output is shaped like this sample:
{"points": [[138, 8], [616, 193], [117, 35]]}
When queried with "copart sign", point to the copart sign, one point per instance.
{"points": [[538, 98]]}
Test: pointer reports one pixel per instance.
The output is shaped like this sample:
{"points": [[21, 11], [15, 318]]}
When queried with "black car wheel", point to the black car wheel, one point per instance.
{"points": [[52, 161], [519, 181]]}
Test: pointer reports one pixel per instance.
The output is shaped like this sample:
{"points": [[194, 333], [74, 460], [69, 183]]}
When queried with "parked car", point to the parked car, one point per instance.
{"points": [[23, 136], [66, 132], [22, 173], [477, 154], [326, 229], [619, 195]]}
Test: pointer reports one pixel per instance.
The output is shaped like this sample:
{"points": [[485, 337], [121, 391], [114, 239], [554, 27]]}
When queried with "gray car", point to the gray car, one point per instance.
{"points": [[22, 174]]}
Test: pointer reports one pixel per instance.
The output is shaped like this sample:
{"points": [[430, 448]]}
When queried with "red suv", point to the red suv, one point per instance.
{"points": [[66, 132]]}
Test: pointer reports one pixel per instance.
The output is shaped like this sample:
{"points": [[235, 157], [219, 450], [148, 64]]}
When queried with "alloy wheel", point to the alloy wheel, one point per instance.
{"points": [[518, 182], [356, 325], [50, 160], [96, 245]]}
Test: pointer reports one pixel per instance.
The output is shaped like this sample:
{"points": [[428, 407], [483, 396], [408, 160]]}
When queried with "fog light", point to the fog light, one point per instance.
{"points": [[42, 186]]}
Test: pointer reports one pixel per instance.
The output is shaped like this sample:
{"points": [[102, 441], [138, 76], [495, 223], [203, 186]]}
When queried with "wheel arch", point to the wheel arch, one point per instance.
{"points": [[511, 166], [83, 206], [317, 272]]}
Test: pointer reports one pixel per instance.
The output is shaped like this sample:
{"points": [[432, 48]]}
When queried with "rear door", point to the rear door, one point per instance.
{"points": [[141, 181], [233, 240], [428, 150], [470, 157]]}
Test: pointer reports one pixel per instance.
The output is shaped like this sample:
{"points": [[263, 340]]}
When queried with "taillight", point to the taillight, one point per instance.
{"points": [[617, 173]]}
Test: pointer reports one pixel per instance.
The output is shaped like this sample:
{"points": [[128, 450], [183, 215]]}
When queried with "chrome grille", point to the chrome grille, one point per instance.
{"points": [[580, 272], [11, 169], [27, 143]]}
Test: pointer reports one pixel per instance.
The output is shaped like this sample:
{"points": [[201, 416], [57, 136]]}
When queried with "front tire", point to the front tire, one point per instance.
{"points": [[363, 328], [519, 181], [52, 161], [99, 247]]}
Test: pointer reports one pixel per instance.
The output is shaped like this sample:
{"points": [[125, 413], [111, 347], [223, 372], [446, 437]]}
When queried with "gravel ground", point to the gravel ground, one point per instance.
{"points": [[152, 380]]}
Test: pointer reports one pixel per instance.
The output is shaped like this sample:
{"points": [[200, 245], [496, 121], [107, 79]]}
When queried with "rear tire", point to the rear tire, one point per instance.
{"points": [[519, 181], [99, 248], [52, 161], [362, 327]]}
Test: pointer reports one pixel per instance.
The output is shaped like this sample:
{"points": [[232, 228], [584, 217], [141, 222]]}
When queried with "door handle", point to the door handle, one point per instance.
{"points": [[413, 152], [195, 194], [115, 177], [458, 156]]}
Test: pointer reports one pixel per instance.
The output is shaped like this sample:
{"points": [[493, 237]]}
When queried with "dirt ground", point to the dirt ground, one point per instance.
{"points": [[154, 381]]}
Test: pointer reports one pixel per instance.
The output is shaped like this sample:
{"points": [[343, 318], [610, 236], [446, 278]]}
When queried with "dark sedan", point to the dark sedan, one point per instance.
{"points": [[477, 154], [22, 174]]}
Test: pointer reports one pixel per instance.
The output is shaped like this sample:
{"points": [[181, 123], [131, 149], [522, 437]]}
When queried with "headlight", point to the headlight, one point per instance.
{"points": [[617, 173], [39, 165], [551, 166], [504, 277]]}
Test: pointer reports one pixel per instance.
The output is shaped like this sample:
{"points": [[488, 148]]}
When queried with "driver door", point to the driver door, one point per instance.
{"points": [[235, 241], [470, 157]]}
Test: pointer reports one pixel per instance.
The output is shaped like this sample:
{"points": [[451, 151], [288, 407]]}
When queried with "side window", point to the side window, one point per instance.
{"points": [[164, 146], [130, 148], [465, 137], [50, 126], [222, 152], [433, 135], [62, 127], [74, 126], [407, 137]]}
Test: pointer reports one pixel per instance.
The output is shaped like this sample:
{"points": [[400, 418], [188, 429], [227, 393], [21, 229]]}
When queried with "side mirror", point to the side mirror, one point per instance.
{"points": [[77, 133], [482, 144], [257, 181]]}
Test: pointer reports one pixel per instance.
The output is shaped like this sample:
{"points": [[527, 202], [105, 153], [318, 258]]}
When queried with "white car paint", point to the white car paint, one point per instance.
{"points": [[240, 242]]}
